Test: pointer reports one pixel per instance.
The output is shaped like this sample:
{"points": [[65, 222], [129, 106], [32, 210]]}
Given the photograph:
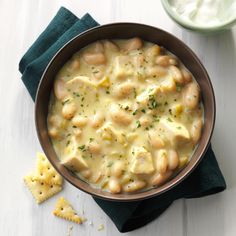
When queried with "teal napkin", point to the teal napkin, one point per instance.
{"points": [[205, 180]]}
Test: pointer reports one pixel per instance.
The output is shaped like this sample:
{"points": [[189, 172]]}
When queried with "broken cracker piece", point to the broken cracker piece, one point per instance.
{"points": [[46, 172], [64, 210], [39, 189]]}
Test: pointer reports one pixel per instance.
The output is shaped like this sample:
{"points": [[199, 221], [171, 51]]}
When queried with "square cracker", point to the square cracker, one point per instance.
{"points": [[45, 171], [64, 210], [39, 189]]}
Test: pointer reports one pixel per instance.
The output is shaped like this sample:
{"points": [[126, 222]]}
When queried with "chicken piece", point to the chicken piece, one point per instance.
{"points": [[144, 97], [123, 67], [79, 82], [142, 161], [174, 131], [74, 156]]}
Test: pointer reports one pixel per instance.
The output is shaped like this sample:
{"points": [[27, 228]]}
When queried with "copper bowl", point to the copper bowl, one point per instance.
{"points": [[118, 31]]}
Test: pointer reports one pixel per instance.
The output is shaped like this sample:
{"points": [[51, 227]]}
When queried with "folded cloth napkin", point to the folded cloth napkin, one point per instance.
{"points": [[205, 180]]}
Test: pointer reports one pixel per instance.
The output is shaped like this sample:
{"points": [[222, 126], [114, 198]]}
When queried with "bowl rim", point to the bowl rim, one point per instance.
{"points": [[174, 16], [186, 171]]}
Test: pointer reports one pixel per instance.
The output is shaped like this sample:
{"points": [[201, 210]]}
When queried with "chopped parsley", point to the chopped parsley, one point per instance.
{"points": [[110, 164], [68, 142], [134, 113], [135, 93], [178, 87], [153, 103], [143, 111], [169, 119], [76, 94], [66, 101], [138, 124], [82, 148]]}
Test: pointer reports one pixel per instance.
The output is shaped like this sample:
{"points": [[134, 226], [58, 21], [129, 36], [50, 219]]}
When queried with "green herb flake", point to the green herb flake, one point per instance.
{"points": [[82, 148], [91, 140], [110, 164], [143, 111], [178, 127], [178, 87], [68, 142], [127, 108], [134, 113], [138, 124], [76, 94], [66, 101], [169, 119]]}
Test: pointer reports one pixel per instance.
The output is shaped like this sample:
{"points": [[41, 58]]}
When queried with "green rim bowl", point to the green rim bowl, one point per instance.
{"points": [[203, 29]]}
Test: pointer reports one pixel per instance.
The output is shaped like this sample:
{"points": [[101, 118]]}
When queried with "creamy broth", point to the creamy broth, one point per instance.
{"points": [[125, 115]]}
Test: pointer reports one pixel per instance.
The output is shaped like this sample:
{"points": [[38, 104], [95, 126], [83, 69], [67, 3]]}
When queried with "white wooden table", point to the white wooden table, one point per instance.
{"points": [[20, 24]]}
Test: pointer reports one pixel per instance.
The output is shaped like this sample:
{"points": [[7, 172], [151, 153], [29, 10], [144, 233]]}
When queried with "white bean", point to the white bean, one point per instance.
{"points": [[53, 132], [133, 44], [161, 161], [155, 140], [187, 76], [74, 65], [55, 120], [159, 179], [77, 132], [153, 51], [69, 110], [119, 116], [191, 93], [79, 121], [156, 71], [165, 60], [124, 90], [97, 120], [86, 173], [118, 168], [134, 186], [196, 130], [114, 186], [110, 46], [173, 160], [98, 47], [60, 89], [94, 148], [94, 58], [176, 74], [145, 121]]}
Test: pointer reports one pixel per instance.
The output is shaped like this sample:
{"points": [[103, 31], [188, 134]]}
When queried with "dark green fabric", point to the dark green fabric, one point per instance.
{"points": [[62, 28], [205, 180]]}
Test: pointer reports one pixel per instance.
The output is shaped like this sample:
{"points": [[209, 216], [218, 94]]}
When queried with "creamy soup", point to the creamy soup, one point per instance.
{"points": [[125, 115]]}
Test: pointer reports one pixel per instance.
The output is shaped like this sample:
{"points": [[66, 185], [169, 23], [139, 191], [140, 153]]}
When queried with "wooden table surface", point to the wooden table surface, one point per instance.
{"points": [[20, 24]]}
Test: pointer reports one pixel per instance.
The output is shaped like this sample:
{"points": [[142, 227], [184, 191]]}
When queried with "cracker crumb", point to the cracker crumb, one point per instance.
{"points": [[70, 228], [101, 227]]}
